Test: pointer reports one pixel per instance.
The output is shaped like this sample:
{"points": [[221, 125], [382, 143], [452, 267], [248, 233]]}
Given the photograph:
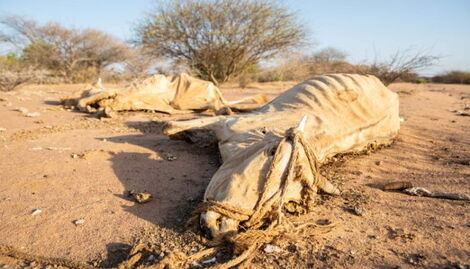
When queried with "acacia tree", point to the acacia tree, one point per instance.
{"points": [[218, 38], [62, 50]]}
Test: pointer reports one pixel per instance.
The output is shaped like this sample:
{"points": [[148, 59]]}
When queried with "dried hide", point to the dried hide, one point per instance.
{"points": [[269, 166], [167, 94]]}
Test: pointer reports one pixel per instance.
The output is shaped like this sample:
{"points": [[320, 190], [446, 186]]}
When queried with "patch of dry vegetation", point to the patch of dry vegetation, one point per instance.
{"points": [[454, 77]]}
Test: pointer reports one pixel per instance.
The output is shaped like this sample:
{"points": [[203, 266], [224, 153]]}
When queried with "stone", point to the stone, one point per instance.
{"points": [[79, 222], [36, 211], [271, 248]]}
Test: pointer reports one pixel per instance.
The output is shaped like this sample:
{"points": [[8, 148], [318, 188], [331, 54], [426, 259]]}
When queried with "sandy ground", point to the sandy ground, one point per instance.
{"points": [[72, 166]]}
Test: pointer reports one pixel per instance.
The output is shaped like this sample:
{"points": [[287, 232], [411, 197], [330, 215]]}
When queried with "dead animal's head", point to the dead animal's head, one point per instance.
{"points": [[258, 179]]}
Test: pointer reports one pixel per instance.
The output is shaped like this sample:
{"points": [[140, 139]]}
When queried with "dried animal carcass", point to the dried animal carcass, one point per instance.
{"points": [[167, 94], [271, 156]]}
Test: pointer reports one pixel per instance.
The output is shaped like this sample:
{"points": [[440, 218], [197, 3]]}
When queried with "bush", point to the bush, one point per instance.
{"points": [[296, 67], [10, 80], [67, 52], [456, 77], [220, 39], [401, 66]]}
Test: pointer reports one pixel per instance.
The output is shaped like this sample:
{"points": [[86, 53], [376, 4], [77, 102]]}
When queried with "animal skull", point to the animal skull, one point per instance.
{"points": [[337, 113]]}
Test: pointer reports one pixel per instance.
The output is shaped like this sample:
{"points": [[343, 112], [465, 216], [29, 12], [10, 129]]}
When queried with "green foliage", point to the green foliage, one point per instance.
{"points": [[40, 55], [421, 81], [9, 59]]}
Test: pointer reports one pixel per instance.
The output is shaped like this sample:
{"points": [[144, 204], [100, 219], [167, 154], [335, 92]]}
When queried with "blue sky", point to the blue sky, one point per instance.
{"points": [[361, 28]]}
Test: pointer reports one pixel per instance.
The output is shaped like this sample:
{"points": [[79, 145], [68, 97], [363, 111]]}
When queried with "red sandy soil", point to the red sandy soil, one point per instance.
{"points": [[74, 166]]}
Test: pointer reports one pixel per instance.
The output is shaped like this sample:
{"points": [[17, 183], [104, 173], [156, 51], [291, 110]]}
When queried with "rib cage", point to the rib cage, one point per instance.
{"points": [[346, 113]]}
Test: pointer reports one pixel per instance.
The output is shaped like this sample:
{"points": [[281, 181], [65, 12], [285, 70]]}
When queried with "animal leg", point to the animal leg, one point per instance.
{"points": [[174, 127]]}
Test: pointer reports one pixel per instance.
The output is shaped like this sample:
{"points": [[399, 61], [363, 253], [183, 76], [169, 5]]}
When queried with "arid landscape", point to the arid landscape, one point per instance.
{"points": [[65, 178]]}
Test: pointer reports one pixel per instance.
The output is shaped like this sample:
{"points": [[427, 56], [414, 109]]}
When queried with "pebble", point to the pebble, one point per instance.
{"points": [[372, 236], [79, 221], [271, 248], [36, 148], [170, 157], [22, 110], [379, 163], [359, 211], [323, 222], [141, 197], [36, 211], [32, 114], [2, 129]]}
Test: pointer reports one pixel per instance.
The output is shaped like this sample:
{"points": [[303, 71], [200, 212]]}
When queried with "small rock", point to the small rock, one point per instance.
{"points": [[416, 259], [36, 148], [292, 248], [22, 110], [36, 211], [2, 129], [462, 113], [271, 248], [323, 222], [372, 236], [402, 119], [379, 163], [151, 258], [170, 157], [211, 260], [75, 156], [141, 197], [78, 222], [32, 114], [358, 211]]}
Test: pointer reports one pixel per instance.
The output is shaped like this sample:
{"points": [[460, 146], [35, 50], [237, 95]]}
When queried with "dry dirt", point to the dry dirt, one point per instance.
{"points": [[78, 170]]}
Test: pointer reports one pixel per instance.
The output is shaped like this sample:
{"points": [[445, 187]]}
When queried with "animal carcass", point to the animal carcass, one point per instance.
{"points": [[341, 113], [167, 94]]}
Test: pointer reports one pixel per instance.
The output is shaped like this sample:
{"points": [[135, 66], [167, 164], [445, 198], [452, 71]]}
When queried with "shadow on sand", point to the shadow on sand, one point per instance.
{"points": [[177, 186]]}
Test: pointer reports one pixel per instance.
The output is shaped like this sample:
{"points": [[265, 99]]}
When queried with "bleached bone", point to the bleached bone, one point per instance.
{"points": [[346, 113], [303, 121]]}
